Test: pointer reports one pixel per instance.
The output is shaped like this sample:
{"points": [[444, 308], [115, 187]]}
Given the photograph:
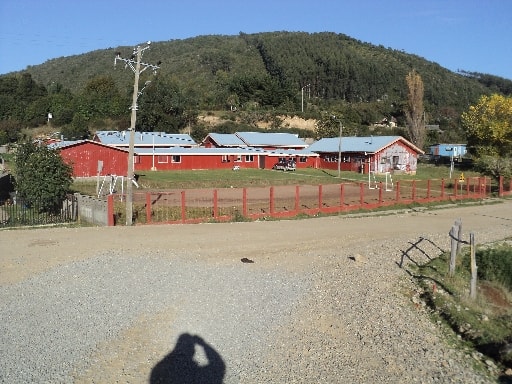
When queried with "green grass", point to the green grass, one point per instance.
{"points": [[264, 177], [484, 323]]}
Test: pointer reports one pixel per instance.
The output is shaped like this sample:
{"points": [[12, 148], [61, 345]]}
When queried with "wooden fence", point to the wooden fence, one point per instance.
{"points": [[252, 203]]}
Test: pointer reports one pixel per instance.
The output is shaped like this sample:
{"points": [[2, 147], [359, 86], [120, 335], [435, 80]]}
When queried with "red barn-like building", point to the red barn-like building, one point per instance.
{"points": [[90, 157]]}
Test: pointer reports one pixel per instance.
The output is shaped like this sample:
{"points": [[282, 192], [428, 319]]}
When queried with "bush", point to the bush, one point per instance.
{"points": [[42, 177]]}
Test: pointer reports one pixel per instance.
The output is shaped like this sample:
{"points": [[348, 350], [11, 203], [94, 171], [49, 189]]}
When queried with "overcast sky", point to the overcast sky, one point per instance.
{"points": [[469, 35]]}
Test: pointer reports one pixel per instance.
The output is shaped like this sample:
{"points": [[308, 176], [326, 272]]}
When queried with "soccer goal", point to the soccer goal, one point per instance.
{"points": [[374, 182], [109, 185]]}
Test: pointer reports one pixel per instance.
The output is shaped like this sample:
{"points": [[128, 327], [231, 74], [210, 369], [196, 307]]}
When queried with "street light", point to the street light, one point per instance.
{"points": [[302, 96], [339, 146]]}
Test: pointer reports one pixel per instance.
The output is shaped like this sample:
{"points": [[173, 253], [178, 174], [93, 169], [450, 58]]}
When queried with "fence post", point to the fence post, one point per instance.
{"points": [[397, 196], [501, 189], [458, 223], [342, 196], [110, 210], [271, 200], [428, 190], [380, 192], [244, 201], [361, 194], [453, 249], [183, 207], [320, 188], [474, 268], [148, 208], [297, 198], [414, 190], [455, 240], [215, 204], [442, 189]]}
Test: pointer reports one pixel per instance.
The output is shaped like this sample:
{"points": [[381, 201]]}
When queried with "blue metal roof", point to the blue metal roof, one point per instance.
{"points": [[271, 139], [222, 151], [370, 144], [227, 139], [64, 144], [122, 138]]}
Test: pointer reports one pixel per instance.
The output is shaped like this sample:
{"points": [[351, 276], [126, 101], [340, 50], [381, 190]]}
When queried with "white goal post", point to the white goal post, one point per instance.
{"points": [[374, 183]]}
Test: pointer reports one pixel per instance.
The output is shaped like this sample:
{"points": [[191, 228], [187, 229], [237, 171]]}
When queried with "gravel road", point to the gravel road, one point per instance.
{"points": [[321, 300]]}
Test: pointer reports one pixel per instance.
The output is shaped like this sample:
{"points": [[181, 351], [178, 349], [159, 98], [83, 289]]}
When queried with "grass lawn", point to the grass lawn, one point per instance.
{"points": [[264, 177]]}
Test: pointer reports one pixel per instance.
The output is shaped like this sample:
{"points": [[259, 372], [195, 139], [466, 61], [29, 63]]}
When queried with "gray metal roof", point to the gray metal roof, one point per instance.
{"points": [[369, 144], [271, 139], [146, 139]]}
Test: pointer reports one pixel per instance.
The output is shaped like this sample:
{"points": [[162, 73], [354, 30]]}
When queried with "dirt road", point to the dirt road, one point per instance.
{"points": [[291, 246]]}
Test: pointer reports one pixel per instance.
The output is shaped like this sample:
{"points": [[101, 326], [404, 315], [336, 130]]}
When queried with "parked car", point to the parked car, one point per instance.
{"points": [[285, 165]]}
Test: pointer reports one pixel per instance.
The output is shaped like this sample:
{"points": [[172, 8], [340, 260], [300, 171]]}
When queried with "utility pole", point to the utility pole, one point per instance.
{"points": [[137, 67]]}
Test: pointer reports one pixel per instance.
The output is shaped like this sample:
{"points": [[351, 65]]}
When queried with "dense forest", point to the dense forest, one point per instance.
{"points": [[243, 79]]}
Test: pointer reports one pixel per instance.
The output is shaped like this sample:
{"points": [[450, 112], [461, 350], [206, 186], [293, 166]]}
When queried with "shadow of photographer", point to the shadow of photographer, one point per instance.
{"points": [[182, 365]]}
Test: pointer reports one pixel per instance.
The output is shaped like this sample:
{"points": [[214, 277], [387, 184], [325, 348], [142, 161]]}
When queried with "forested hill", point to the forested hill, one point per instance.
{"points": [[270, 68]]}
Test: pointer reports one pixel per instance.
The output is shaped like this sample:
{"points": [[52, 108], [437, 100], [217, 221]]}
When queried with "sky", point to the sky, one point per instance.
{"points": [[470, 35]]}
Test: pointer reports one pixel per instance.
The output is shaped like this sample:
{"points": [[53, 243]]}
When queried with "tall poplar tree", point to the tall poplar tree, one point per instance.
{"points": [[414, 112]]}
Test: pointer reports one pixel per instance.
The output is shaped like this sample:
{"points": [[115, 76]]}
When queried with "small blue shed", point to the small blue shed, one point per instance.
{"points": [[448, 150]]}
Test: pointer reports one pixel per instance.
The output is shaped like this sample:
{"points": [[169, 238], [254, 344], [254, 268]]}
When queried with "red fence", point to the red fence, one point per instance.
{"points": [[237, 204], [505, 189]]}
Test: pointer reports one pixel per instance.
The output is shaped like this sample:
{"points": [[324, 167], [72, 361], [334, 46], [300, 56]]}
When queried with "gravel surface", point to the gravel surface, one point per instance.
{"points": [[317, 301]]}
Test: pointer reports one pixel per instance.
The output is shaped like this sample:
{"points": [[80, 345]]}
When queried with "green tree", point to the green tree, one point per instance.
{"points": [[42, 177], [488, 126], [163, 108], [77, 130]]}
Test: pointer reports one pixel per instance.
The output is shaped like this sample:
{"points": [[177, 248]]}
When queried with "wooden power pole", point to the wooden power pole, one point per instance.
{"points": [[137, 67]]}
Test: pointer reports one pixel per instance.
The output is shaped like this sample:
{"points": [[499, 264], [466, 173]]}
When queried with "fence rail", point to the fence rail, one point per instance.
{"points": [[227, 204]]}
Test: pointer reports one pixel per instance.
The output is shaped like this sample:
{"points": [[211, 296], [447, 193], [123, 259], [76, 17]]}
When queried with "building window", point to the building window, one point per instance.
{"points": [[136, 159], [162, 159], [238, 158], [303, 159], [176, 158], [225, 158], [249, 158]]}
